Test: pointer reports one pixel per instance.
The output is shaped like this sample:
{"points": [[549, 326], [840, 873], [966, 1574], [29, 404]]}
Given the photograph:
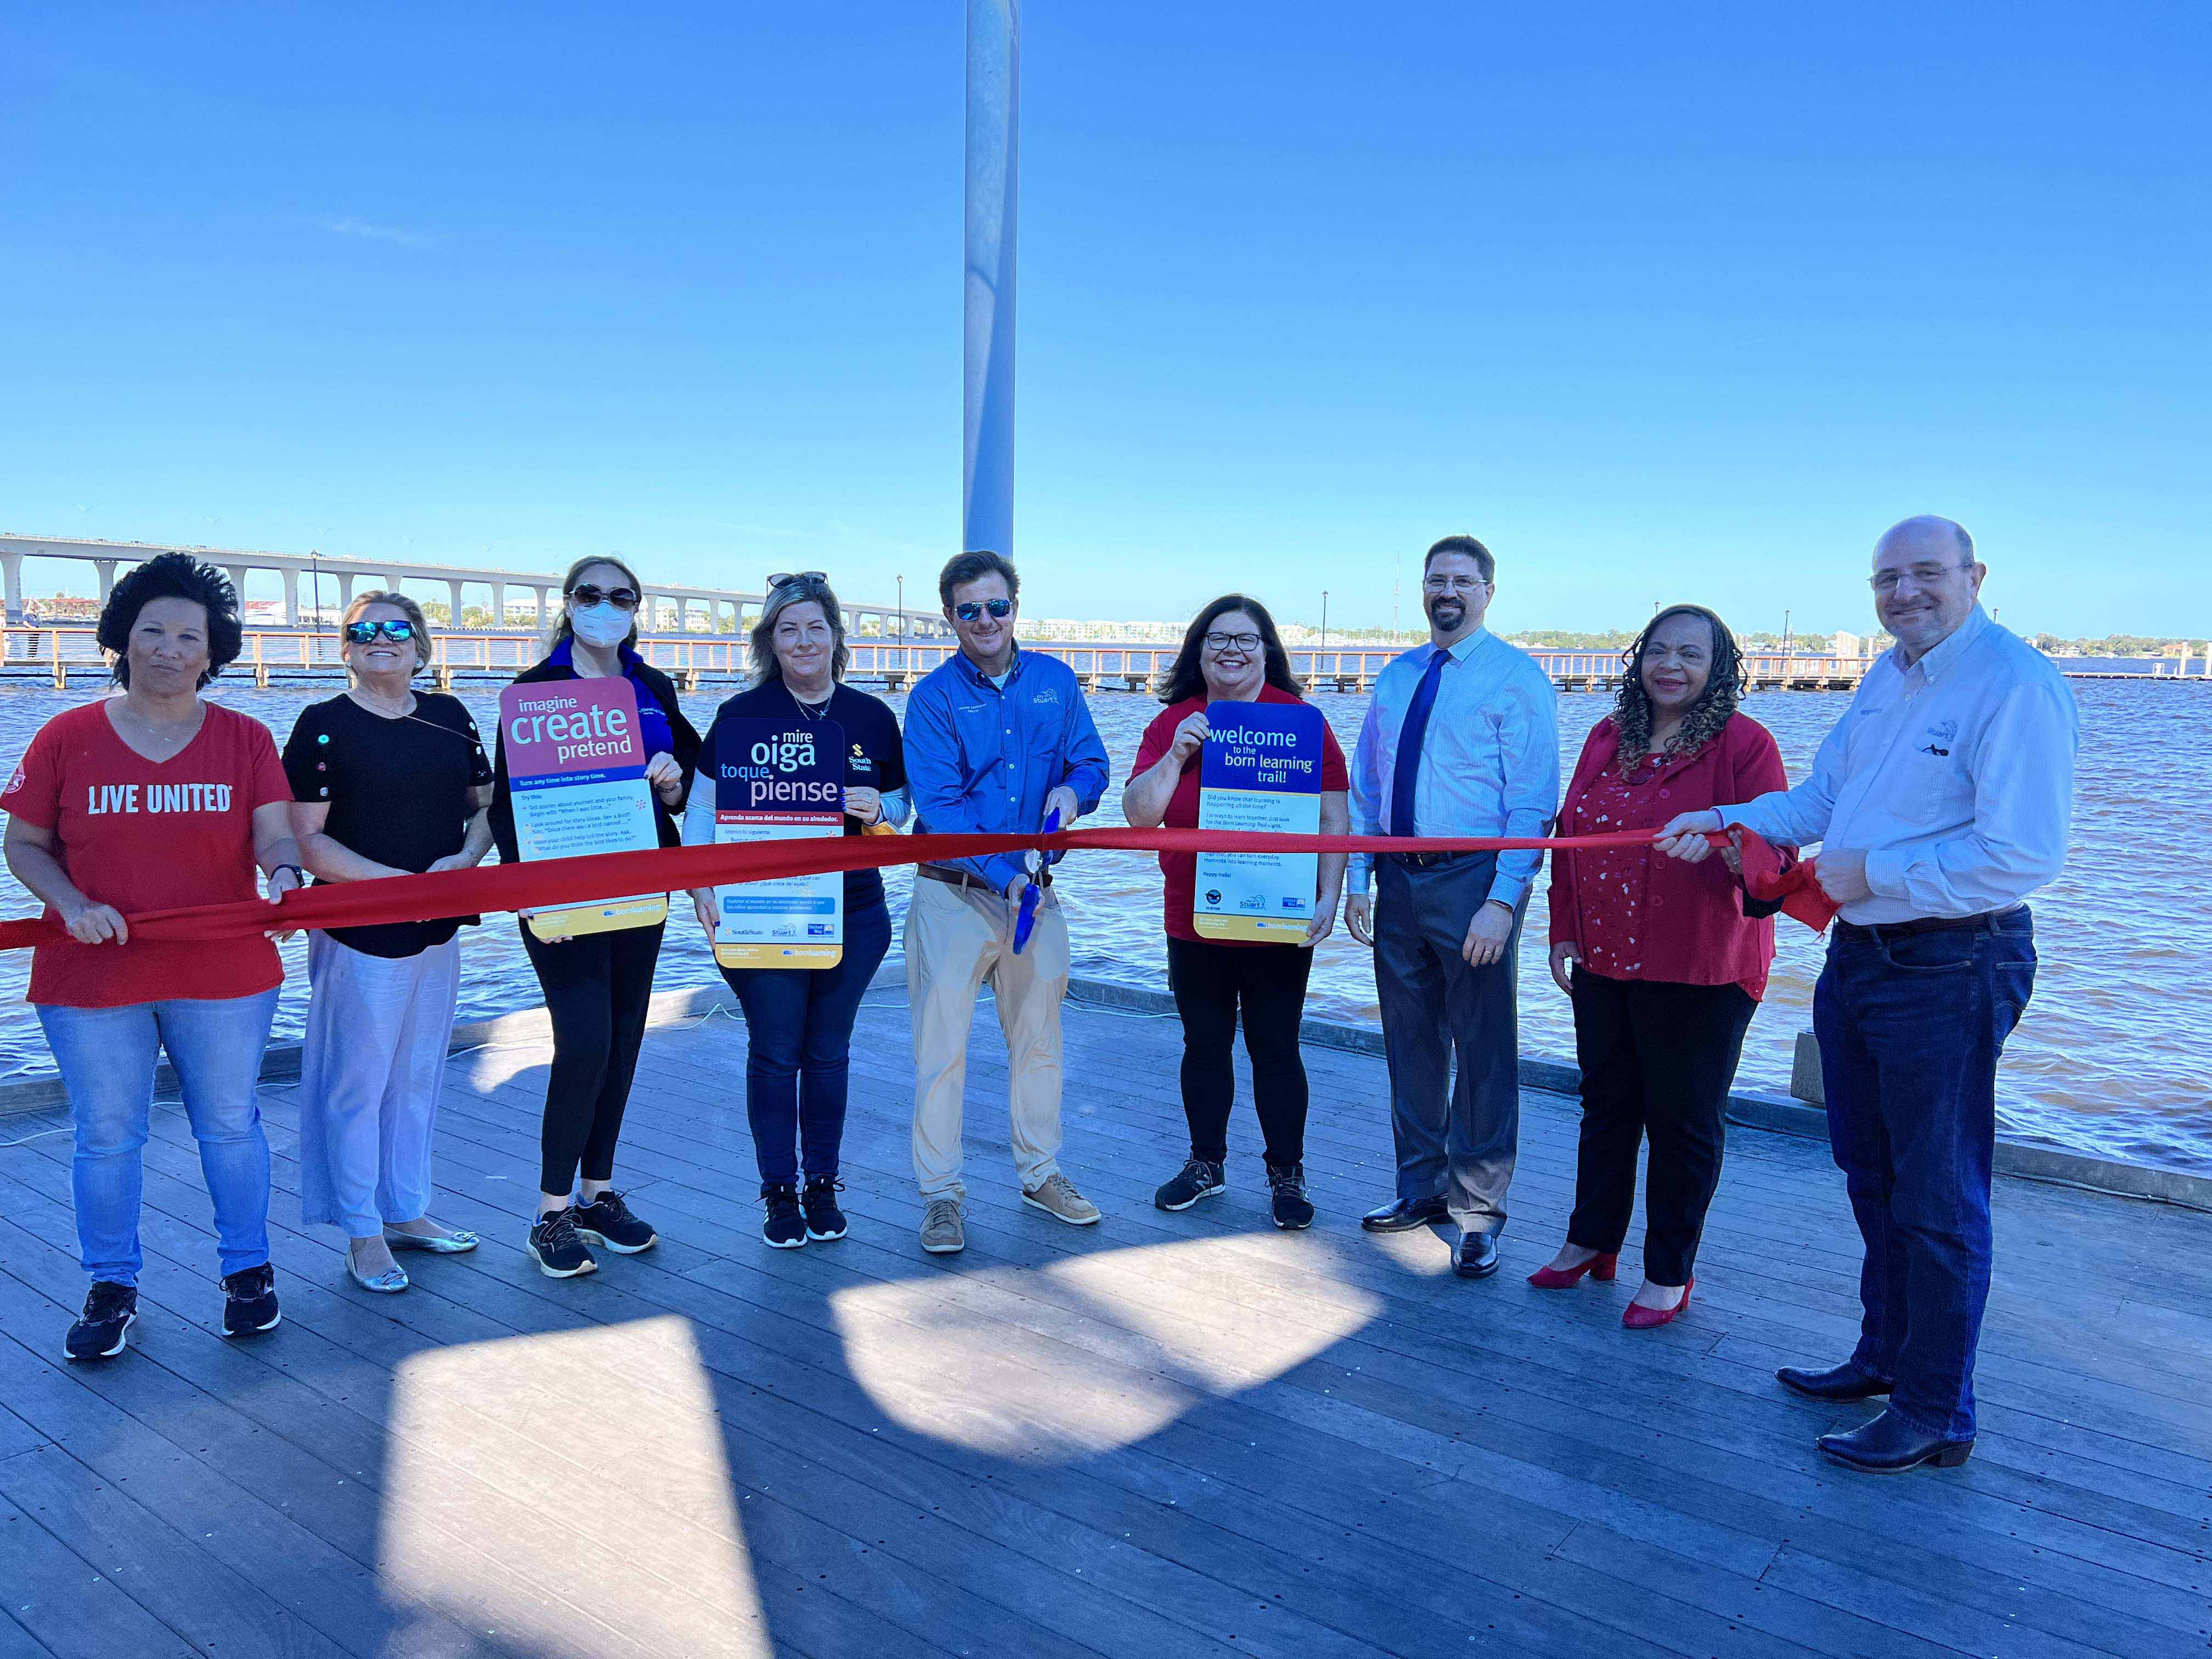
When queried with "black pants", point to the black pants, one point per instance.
{"points": [[1657, 1060], [1210, 981], [597, 986]]}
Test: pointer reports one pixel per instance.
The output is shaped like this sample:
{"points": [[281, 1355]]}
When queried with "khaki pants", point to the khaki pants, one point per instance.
{"points": [[956, 938]]}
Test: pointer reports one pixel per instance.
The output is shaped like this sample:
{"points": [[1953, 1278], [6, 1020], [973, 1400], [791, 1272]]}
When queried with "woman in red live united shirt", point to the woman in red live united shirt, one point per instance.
{"points": [[1231, 653], [154, 801], [1664, 961]]}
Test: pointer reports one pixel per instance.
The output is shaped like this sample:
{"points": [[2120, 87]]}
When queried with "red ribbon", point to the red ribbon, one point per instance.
{"points": [[553, 882]]}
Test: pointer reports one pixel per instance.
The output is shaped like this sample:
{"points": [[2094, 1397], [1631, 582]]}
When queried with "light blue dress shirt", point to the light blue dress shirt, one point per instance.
{"points": [[1954, 774], [981, 757], [1491, 757]]}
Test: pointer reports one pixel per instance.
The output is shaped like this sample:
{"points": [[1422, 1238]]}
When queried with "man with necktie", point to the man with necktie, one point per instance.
{"points": [[1462, 739]]}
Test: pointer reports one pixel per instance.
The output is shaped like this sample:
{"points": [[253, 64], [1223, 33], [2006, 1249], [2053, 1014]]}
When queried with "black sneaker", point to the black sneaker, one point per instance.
{"points": [[784, 1228], [101, 1329], [607, 1220], [824, 1218], [1200, 1178], [1287, 1182], [554, 1246], [249, 1305]]}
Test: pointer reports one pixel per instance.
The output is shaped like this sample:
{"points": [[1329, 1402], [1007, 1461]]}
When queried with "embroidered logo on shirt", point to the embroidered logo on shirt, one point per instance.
{"points": [[1046, 694], [1941, 736]]}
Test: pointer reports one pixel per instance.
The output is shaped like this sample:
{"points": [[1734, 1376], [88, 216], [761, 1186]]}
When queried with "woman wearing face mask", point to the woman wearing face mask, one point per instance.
{"points": [[386, 780], [597, 985], [801, 1020], [1664, 961], [1231, 653]]}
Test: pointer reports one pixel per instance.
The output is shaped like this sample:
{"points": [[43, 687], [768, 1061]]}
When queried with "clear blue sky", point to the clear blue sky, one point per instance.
{"points": [[1662, 301]]}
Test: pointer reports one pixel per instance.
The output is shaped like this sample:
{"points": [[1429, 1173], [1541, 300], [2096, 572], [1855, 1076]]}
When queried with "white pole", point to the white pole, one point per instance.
{"points": [[995, 45]]}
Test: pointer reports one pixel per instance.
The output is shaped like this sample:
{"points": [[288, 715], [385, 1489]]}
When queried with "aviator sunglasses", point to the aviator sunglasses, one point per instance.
{"points": [[623, 599], [974, 609], [360, 632], [790, 577]]}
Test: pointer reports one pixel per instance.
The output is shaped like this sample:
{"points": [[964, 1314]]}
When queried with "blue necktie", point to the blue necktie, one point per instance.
{"points": [[1405, 768]]}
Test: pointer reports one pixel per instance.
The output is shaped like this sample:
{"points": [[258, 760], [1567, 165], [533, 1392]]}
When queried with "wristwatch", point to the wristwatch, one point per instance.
{"points": [[297, 871]]}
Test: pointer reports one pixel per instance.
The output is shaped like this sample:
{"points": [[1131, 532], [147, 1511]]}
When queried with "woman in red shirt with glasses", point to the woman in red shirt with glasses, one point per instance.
{"points": [[1664, 961]]}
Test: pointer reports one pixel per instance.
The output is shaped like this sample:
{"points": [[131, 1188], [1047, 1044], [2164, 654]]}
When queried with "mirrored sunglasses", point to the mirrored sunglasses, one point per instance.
{"points": [[360, 632], [974, 609]]}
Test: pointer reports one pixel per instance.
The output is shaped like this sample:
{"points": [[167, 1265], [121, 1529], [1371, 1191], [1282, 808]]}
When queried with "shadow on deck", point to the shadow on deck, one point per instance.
{"points": [[1166, 1436]]}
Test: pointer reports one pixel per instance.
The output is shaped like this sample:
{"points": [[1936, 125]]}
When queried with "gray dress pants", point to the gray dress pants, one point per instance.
{"points": [[1456, 1136]]}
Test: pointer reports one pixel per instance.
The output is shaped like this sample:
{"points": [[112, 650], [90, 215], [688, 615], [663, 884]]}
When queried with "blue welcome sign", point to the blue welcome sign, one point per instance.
{"points": [[1260, 769]]}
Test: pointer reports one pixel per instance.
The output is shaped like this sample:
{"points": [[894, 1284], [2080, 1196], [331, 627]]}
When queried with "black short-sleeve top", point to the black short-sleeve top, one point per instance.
{"points": [[875, 758], [400, 792]]}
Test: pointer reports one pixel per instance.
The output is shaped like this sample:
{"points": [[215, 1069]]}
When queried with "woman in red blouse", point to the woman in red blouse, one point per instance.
{"points": [[1664, 961], [1231, 653]]}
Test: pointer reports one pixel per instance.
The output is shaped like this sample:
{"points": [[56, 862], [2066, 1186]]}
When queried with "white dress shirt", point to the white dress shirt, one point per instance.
{"points": [[1955, 776], [1490, 762]]}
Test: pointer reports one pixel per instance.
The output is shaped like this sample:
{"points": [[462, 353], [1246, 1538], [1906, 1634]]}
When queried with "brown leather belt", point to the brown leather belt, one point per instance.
{"points": [[952, 877], [1853, 930]]}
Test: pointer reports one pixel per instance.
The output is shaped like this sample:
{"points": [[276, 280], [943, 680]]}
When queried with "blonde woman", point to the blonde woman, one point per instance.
{"points": [[386, 780]]}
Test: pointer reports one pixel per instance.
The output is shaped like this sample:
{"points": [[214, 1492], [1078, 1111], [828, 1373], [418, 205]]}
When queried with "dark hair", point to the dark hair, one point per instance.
{"points": [[964, 567], [562, 629], [1466, 547], [798, 591], [171, 576], [1187, 679], [1725, 683]]}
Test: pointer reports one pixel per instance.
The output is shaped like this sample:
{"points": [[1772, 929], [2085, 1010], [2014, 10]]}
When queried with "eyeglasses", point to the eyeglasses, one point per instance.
{"points": [[360, 632], [1239, 641], [623, 599], [790, 576], [974, 609], [1923, 576]]}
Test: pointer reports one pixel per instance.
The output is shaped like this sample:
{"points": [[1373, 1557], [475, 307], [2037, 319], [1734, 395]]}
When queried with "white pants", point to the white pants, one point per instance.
{"points": [[374, 1064], [956, 938]]}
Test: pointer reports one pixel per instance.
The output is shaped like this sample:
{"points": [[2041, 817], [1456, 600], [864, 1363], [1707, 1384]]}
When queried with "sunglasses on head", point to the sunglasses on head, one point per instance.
{"points": [[974, 609], [623, 599], [360, 632], [791, 576]]}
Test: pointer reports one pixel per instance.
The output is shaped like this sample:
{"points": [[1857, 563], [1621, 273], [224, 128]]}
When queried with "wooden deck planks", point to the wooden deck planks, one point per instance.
{"points": [[1166, 1436]]}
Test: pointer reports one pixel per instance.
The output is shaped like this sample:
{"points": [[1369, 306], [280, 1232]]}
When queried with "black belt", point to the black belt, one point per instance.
{"points": [[1881, 930], [1426, 860]]}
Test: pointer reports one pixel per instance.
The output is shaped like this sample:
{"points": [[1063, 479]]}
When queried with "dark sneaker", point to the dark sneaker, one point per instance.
{"points": [[1200, 1178], [785, 1226], [607, 1220], [1287, 1182], [102, 1328], [824, 1218], [249, 1304], [554, 1246]]}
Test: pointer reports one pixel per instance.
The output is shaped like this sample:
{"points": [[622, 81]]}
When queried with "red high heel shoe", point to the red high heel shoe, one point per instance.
{"points": [[1599, 1267], [1635, 1317]]}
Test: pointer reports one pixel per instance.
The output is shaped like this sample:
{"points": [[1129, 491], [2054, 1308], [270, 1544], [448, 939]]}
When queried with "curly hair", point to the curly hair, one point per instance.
{"points": [[1186, 678], [1725, 683], [171, 576]]}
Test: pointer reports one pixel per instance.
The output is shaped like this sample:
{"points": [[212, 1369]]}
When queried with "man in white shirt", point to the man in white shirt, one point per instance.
{"points": [[1942, 800]]}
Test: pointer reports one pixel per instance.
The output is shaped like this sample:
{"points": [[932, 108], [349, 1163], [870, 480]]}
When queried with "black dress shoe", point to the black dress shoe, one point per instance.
{"points": [[1890, 1445], [1843, 1382], [1402, 1215], [1475, 1256]]}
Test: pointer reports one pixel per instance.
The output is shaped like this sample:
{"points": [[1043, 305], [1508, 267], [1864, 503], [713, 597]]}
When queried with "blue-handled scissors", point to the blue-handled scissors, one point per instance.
{"points": [[1033, 894]]}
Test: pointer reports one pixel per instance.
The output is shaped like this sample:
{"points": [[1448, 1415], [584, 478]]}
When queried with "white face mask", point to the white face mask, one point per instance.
{"points": [[600, 624]]}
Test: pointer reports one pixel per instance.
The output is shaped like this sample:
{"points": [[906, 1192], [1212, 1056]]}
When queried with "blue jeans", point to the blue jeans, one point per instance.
{"points": [[798, 1054], [107, 1057], [1909, 1029]]}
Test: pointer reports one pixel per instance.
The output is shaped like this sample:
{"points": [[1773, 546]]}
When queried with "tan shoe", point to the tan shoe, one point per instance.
{"points": [[942, 1233], [1058, 1197]]}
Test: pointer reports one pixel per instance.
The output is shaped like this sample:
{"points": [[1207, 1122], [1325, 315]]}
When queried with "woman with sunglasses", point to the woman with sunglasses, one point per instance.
{"points": [[597, 985], [801, 1020], [386, 780]]}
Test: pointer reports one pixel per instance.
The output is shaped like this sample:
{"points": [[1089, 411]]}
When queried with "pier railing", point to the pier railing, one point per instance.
{"points": [[59, 654]]}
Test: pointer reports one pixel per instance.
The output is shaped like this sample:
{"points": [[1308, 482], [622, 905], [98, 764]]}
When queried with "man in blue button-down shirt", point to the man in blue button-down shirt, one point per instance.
{"points": [[1462, 738], [997, 740]]}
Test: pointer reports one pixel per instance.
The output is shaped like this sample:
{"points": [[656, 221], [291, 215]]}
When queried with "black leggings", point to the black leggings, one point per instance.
{"points": [[1657, 1061], [1210, 980], [597, 986]]}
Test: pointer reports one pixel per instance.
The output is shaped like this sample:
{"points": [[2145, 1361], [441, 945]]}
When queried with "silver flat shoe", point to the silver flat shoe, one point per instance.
{"points": [[459, 1241], [390, 1282]]}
